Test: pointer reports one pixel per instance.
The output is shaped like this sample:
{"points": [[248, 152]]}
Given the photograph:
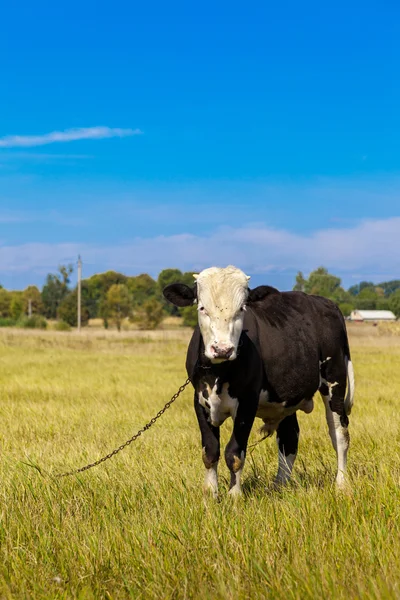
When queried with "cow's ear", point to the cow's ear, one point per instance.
{"points": [[180, 294], [261, 292]]}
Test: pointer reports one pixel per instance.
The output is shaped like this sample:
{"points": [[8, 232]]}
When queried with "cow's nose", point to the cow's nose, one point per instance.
{"points": [[222, 351], [229, 352]]}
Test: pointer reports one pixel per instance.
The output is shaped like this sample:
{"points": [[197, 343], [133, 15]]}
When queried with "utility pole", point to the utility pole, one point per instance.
{"points": [[79, 291]]}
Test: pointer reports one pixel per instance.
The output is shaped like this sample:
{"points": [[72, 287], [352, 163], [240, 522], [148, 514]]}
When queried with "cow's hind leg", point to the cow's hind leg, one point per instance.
{"points": [[333, 391], [287, 437], [211, 448]]}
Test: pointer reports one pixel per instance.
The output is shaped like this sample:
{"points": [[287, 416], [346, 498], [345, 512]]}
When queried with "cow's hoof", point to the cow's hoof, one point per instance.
{"points": [[279, 483], [235, 492], [210, 492], [342, 485]]}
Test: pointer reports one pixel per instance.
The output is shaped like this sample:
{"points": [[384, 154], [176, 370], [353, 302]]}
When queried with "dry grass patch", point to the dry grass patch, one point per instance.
{"points": [[139, 527]]}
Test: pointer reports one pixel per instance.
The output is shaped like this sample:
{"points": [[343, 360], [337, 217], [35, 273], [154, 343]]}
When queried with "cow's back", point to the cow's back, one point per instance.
{"points": [[295, 332]]}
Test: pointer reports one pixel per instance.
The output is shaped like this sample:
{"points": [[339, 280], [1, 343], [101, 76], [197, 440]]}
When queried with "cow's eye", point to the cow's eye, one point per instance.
{"points": [[201, 309], [242, 308]]}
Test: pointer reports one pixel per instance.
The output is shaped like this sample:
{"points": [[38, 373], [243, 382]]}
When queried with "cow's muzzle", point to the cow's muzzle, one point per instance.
{"points": [[222, 351]]}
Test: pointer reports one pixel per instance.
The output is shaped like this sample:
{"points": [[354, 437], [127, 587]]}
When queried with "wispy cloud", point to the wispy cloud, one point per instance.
{"points": [[369, 249], [68, 135], [41, 156], [49, 216]]}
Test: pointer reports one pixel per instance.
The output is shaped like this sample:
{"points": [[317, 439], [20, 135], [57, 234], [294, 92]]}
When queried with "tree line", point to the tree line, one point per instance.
{"points": [[365, 295], [114, 297], [111, 296]]}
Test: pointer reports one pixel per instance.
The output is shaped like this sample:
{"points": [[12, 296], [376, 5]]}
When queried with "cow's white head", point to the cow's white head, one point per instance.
{"points": [[221, 296]]}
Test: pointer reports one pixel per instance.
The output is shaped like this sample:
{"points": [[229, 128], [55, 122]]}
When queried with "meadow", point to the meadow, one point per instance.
{"points": [[139, 525]]}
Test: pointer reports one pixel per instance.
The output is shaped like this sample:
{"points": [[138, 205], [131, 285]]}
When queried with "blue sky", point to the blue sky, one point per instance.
{"points": [[173, 134]]}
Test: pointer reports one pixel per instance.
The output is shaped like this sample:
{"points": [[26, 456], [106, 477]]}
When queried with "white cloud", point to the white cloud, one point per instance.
{"points": [[69, 135], [49, 216], [36, 156], [370, 247]]}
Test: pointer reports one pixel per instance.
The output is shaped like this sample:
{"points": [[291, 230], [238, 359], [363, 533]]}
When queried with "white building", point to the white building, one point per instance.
{"points": [[372, 315]]}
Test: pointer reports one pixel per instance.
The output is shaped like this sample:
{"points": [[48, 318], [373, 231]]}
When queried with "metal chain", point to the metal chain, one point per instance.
{"points": [[132, 439]]}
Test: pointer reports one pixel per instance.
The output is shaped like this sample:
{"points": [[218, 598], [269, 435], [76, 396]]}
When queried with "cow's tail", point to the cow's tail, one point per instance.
{"points": [[349, 399]]}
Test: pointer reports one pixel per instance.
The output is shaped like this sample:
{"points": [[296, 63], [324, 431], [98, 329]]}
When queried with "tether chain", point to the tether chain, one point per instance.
{"points": [[133, 438]]}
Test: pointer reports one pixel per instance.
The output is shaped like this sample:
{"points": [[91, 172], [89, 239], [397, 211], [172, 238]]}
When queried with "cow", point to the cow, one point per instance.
{"points": [[263, 353]]}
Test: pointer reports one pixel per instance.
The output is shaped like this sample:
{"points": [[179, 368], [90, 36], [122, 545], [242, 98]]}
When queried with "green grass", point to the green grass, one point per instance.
{"points": [[139, 525]]}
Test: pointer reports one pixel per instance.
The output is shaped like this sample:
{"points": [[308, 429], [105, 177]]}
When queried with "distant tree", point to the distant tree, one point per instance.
{"points": [[97, 288], [367, 299], [55, 290], [31, 293], [354, 290], [168, 276], [346, 308], [300, 284], [365, 304], [5, 303], [394, 303], [368, 292], [142, 288], [16, 305], [149, 315], [322, 283], [189, 315], [104, 312], [390, 287], [68, 309], [188, 278], [119, 303], [383, 304]]}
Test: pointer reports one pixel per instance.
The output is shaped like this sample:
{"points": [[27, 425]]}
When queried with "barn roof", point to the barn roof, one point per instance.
{"points": [[374, 314]]}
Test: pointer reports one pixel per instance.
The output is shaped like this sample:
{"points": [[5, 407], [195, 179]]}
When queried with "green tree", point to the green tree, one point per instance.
{"points": [[354, 290], [55, 290], [383, 304], [16, 305], [188, 279], [365, 304], [394, 303], [5, 303], [104, 312], [149, 315], [322, 283], [189, 315], [166, 277], [119, 303], [367, 299], [300, 284], [142, 288], [31, 293], [98, 286], [346, 308], [390, 287], [68, 309]]}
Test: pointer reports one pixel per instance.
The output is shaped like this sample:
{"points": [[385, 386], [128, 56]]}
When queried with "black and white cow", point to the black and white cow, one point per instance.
{"points": [[263, 353]]}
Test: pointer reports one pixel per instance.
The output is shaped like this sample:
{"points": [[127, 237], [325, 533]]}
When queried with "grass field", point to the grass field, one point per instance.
{"points": [[139, 526]]}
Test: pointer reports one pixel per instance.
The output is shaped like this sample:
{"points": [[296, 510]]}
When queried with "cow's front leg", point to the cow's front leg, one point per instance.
{"points": [[211, 447], [235, 451]]}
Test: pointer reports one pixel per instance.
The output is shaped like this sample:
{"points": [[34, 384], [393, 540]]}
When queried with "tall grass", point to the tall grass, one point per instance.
{"points": [[139, 526]]}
